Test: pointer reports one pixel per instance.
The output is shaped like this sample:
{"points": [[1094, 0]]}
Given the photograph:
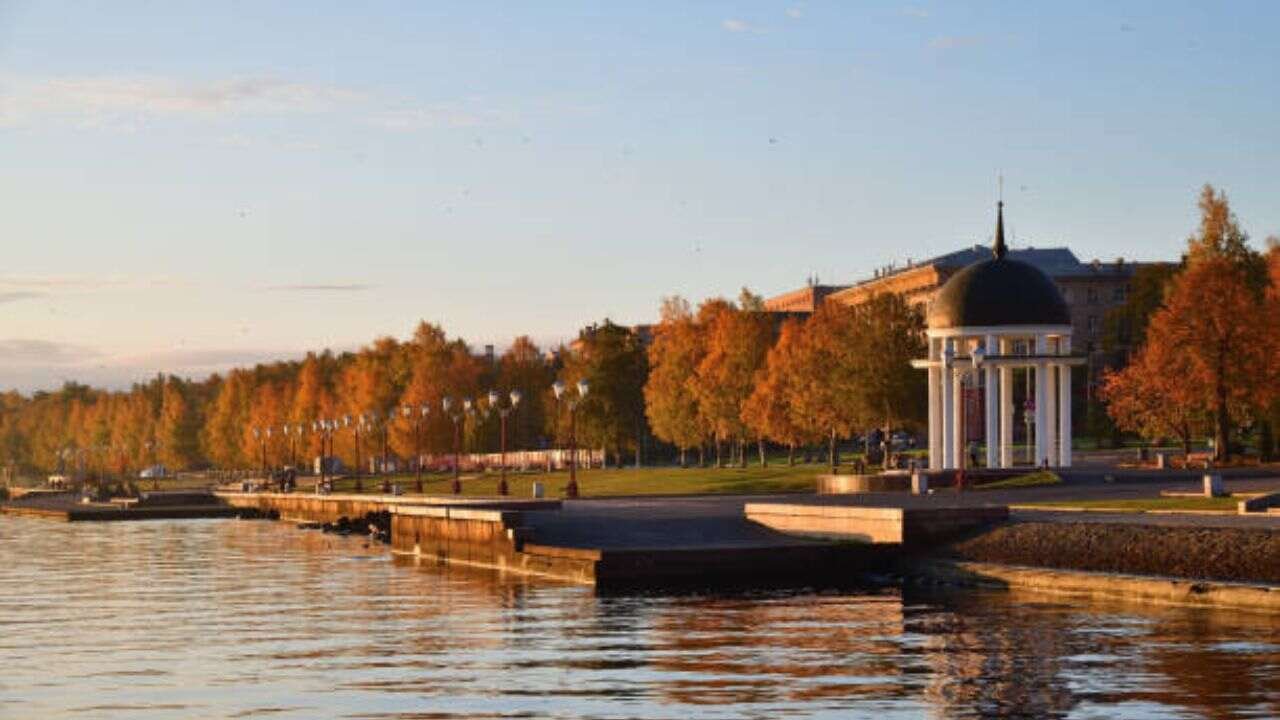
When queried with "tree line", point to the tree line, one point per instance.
{"points": [[716, 380], [729, 375]]}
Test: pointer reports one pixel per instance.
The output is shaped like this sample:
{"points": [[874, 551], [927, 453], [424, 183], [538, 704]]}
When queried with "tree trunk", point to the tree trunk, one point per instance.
{"points": [[791, 455], [1222, 423], [832, 457], [742, 452], [764, 461], [683, 464], [719, 459], [702, 453]]}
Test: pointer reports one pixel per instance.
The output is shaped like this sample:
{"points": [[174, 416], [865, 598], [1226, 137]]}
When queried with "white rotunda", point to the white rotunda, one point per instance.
{"points": [[988, 320]]}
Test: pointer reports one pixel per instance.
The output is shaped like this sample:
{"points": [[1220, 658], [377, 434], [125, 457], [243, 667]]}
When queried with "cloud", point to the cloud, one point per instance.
{"points": [[331, 287], [129, 102], [22, 351], [86, 282], [916, 12], [734, 25], [955, 42], [795, 13], [16, 295]]}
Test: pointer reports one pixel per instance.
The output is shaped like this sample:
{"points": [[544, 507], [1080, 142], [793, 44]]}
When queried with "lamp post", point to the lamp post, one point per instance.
{"points": [[450, 410], [559, 388], [418, 420], [503, 412]]}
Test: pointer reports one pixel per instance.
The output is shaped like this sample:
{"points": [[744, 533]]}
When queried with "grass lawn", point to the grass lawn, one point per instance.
{"points": [[752, 480], [1035, 479], [1145, 504]]}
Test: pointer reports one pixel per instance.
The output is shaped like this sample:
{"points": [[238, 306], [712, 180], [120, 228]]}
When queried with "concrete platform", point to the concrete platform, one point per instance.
{"points": [[895, 525], [67, 507]]}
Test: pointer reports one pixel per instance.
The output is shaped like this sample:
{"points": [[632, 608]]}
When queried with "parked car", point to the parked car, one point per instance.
{"points": [[155, 471]]}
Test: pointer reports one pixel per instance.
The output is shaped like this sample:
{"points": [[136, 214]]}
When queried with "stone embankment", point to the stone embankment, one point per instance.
{"points": [[1202, 553]]}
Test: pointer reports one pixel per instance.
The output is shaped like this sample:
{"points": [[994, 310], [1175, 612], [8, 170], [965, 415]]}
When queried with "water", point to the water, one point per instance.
{"points": [[242, 619]]}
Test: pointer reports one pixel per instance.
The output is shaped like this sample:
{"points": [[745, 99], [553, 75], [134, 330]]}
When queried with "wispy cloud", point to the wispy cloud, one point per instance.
{"points": [[129, 102], [23, 351], [322, 287], [795, 13], [16, 295], [735, 25], [86, 282]]}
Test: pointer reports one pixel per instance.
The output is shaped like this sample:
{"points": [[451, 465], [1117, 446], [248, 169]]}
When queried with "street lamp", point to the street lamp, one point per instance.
{"points": [[503, 412], [450, 410], [559, 388], [418, 420]]}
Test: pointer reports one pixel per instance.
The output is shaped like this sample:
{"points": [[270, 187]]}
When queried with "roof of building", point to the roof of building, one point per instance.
{"points": [[998, 290]]}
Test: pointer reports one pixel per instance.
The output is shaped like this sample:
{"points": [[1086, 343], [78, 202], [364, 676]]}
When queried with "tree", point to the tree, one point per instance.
{"points": [[736, 341], [1208, 338], [523, 367], [770, 410], [1148, 398], [611, 359], [674, 355], [178, 427], [824, 402], [887, 333]]}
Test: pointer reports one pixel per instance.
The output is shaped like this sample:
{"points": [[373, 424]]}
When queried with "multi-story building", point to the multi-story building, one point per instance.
{"points": [[1090, 289]]}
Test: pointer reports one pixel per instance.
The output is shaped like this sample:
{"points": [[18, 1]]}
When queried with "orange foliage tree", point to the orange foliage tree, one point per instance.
{"points": [[1211, 347]]}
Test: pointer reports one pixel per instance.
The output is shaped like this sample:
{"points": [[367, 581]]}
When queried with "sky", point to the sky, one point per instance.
{"points": [[189, 186]]}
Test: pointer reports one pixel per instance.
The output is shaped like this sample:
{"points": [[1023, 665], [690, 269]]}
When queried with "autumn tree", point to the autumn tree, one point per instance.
{"points": [[1216, 346], [1147, 397], [771, 410], [736, 340], [674, 355]]}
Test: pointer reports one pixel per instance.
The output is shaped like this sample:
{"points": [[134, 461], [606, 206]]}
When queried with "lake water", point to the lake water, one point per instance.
{"points": [[244, 619]]}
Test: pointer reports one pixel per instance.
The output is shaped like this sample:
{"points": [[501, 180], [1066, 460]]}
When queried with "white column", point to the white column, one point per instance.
{"points": [[991, 410], [948, 402], [1051, 411], [1006, 407], [1064, 406], [1042, 392], [935, 406], [958, 418]]}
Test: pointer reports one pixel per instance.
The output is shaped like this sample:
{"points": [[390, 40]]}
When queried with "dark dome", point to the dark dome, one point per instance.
{"points": [[996, 292]]}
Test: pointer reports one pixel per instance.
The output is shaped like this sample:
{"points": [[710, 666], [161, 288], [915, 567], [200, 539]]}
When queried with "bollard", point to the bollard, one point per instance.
{"points": [[1213, 486], [538, 490], [1160, 461], [919, 484]]}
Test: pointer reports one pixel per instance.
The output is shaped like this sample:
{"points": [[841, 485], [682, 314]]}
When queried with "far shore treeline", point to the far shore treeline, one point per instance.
{"points": [[717, 383]]}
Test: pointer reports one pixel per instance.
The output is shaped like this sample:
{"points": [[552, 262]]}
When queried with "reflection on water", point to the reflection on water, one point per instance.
{"points": [[256, 619]]}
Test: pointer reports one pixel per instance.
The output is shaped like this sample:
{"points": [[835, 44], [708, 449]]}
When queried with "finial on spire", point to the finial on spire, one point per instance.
{"points": [[999, 249]]}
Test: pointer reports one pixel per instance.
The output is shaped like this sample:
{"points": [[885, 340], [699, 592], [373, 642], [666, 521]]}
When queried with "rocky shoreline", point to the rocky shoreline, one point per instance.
{"points": [[1243, 555]]}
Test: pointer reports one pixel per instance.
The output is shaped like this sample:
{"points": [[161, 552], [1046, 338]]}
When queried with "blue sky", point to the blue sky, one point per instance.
{"points": [[193, 185]]}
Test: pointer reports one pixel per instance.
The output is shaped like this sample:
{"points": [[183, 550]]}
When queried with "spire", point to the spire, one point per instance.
{"points": [[1000, 248]]}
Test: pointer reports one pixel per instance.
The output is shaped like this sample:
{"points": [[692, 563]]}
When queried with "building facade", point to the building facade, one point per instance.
{"points": [[1090, 289]]}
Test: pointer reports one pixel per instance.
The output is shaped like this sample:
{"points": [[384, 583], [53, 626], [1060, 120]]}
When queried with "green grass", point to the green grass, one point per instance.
{"points": [[1145, 504], [752, 480], [1035, 479]]}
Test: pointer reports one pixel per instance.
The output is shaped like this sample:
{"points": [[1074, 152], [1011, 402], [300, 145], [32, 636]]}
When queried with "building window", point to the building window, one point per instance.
{"points": [[1119, 293], [1093, 324], [1092, 295]]}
